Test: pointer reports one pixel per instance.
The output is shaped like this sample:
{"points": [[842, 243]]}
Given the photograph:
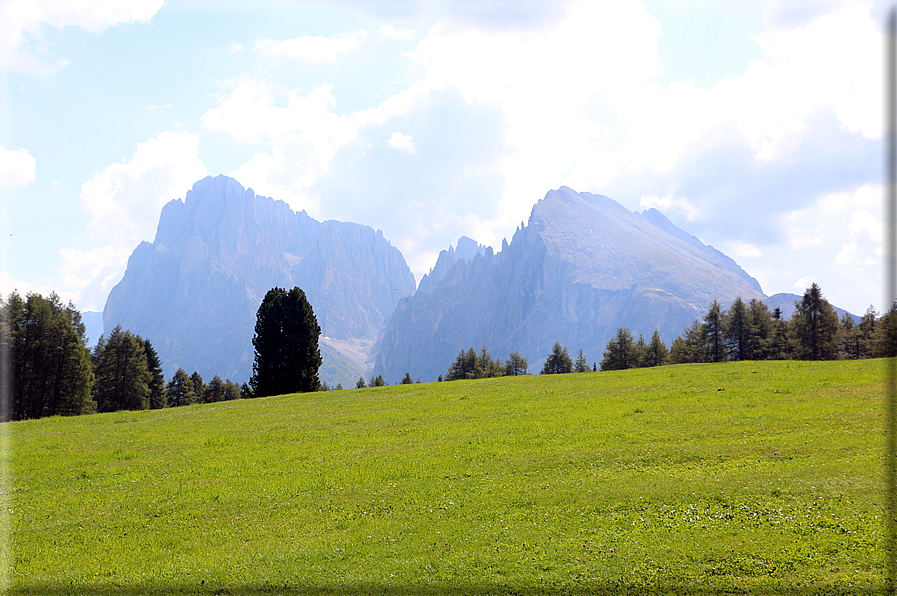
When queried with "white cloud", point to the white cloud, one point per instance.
{"points": [[17, 168], [402, 142], [680, 204], [312, 49], [391, 33], [124, 202], [736, 248], [22, 45], [236, 48], [303, 136]]}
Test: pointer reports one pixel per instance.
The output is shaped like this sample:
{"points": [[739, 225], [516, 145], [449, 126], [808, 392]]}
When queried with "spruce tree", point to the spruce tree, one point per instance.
{"points": [[287, 357], [581, 365]]}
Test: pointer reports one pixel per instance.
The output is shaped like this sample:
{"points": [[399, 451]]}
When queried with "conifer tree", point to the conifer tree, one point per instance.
{"points": [[657, 353], [215, 391], [360, 384], [122, 376], [618, 354], [157, 379], [516, 365], [48, 359], [179, 390], [407, 380], [287, 357], [558, 361], [737, 331], [814, 327], [199, 389], [760, 319], [713, 332], [581, 365]]}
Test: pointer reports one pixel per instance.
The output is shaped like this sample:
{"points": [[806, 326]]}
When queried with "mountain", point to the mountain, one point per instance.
{"points": [[195, 289], [582, 267]]}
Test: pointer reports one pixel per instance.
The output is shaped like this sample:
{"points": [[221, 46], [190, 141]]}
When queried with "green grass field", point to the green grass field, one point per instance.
{"points": [[750, 477]]}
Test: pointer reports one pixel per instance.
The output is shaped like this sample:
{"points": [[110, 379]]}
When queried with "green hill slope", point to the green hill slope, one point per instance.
{"points": [[702, 478]]}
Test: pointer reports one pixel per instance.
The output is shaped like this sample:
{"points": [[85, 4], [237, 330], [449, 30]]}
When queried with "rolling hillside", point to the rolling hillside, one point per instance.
{"points": [[750, 477]]}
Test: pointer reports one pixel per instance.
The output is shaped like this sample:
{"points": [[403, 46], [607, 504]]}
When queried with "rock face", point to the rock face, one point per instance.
{"points": [[582, 267], [195, 290]]}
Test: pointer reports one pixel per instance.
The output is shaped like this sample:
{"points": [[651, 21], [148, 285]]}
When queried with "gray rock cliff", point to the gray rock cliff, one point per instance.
{"points": [[582, 267], [195, 289]]}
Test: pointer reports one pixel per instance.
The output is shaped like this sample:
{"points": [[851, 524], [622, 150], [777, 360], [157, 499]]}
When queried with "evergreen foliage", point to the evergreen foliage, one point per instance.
{"points": [[179, 390], [657, 353], [558, 361], [360, 384], [157, 379], [407, 380], [122, 376], [618, 354], [199, 389], [715, 341], [50, 366], [287, 357], [581, 365], [377, 381], [814, 327]]}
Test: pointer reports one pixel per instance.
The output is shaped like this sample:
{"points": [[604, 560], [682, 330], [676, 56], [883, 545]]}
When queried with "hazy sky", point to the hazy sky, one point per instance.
{"points": [[754, 125]]}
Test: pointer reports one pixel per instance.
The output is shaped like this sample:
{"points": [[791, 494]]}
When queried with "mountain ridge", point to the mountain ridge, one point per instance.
{"points": [[195, 289]]}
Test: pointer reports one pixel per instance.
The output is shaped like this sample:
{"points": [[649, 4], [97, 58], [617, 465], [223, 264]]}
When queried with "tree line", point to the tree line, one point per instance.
{"points": [[752, 332], [53, 373], [746, 331]]}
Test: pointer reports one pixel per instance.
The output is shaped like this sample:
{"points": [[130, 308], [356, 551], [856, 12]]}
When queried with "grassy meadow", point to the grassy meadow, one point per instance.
{"points": [[751, 477]]}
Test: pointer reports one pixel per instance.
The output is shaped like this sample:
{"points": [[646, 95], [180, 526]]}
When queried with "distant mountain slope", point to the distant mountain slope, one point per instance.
{"points": [[195, 289], [582, 267]]}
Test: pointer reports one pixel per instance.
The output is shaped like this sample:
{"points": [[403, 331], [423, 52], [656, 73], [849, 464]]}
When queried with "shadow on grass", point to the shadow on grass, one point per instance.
{"points": [[428, 590]]}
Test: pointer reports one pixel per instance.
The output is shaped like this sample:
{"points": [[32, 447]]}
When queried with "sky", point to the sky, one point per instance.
{"points": [[755, 125]]}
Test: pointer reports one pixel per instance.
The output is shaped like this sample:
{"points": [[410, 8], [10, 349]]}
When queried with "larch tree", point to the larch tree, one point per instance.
{"points": [[814, 327], [558, 361], [179, 390], [122, 377]]}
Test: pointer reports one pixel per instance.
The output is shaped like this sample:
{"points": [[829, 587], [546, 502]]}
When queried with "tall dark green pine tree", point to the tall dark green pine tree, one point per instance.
{"points": [[123, 380], [814, 327], [157, 379], [287, 357]]}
